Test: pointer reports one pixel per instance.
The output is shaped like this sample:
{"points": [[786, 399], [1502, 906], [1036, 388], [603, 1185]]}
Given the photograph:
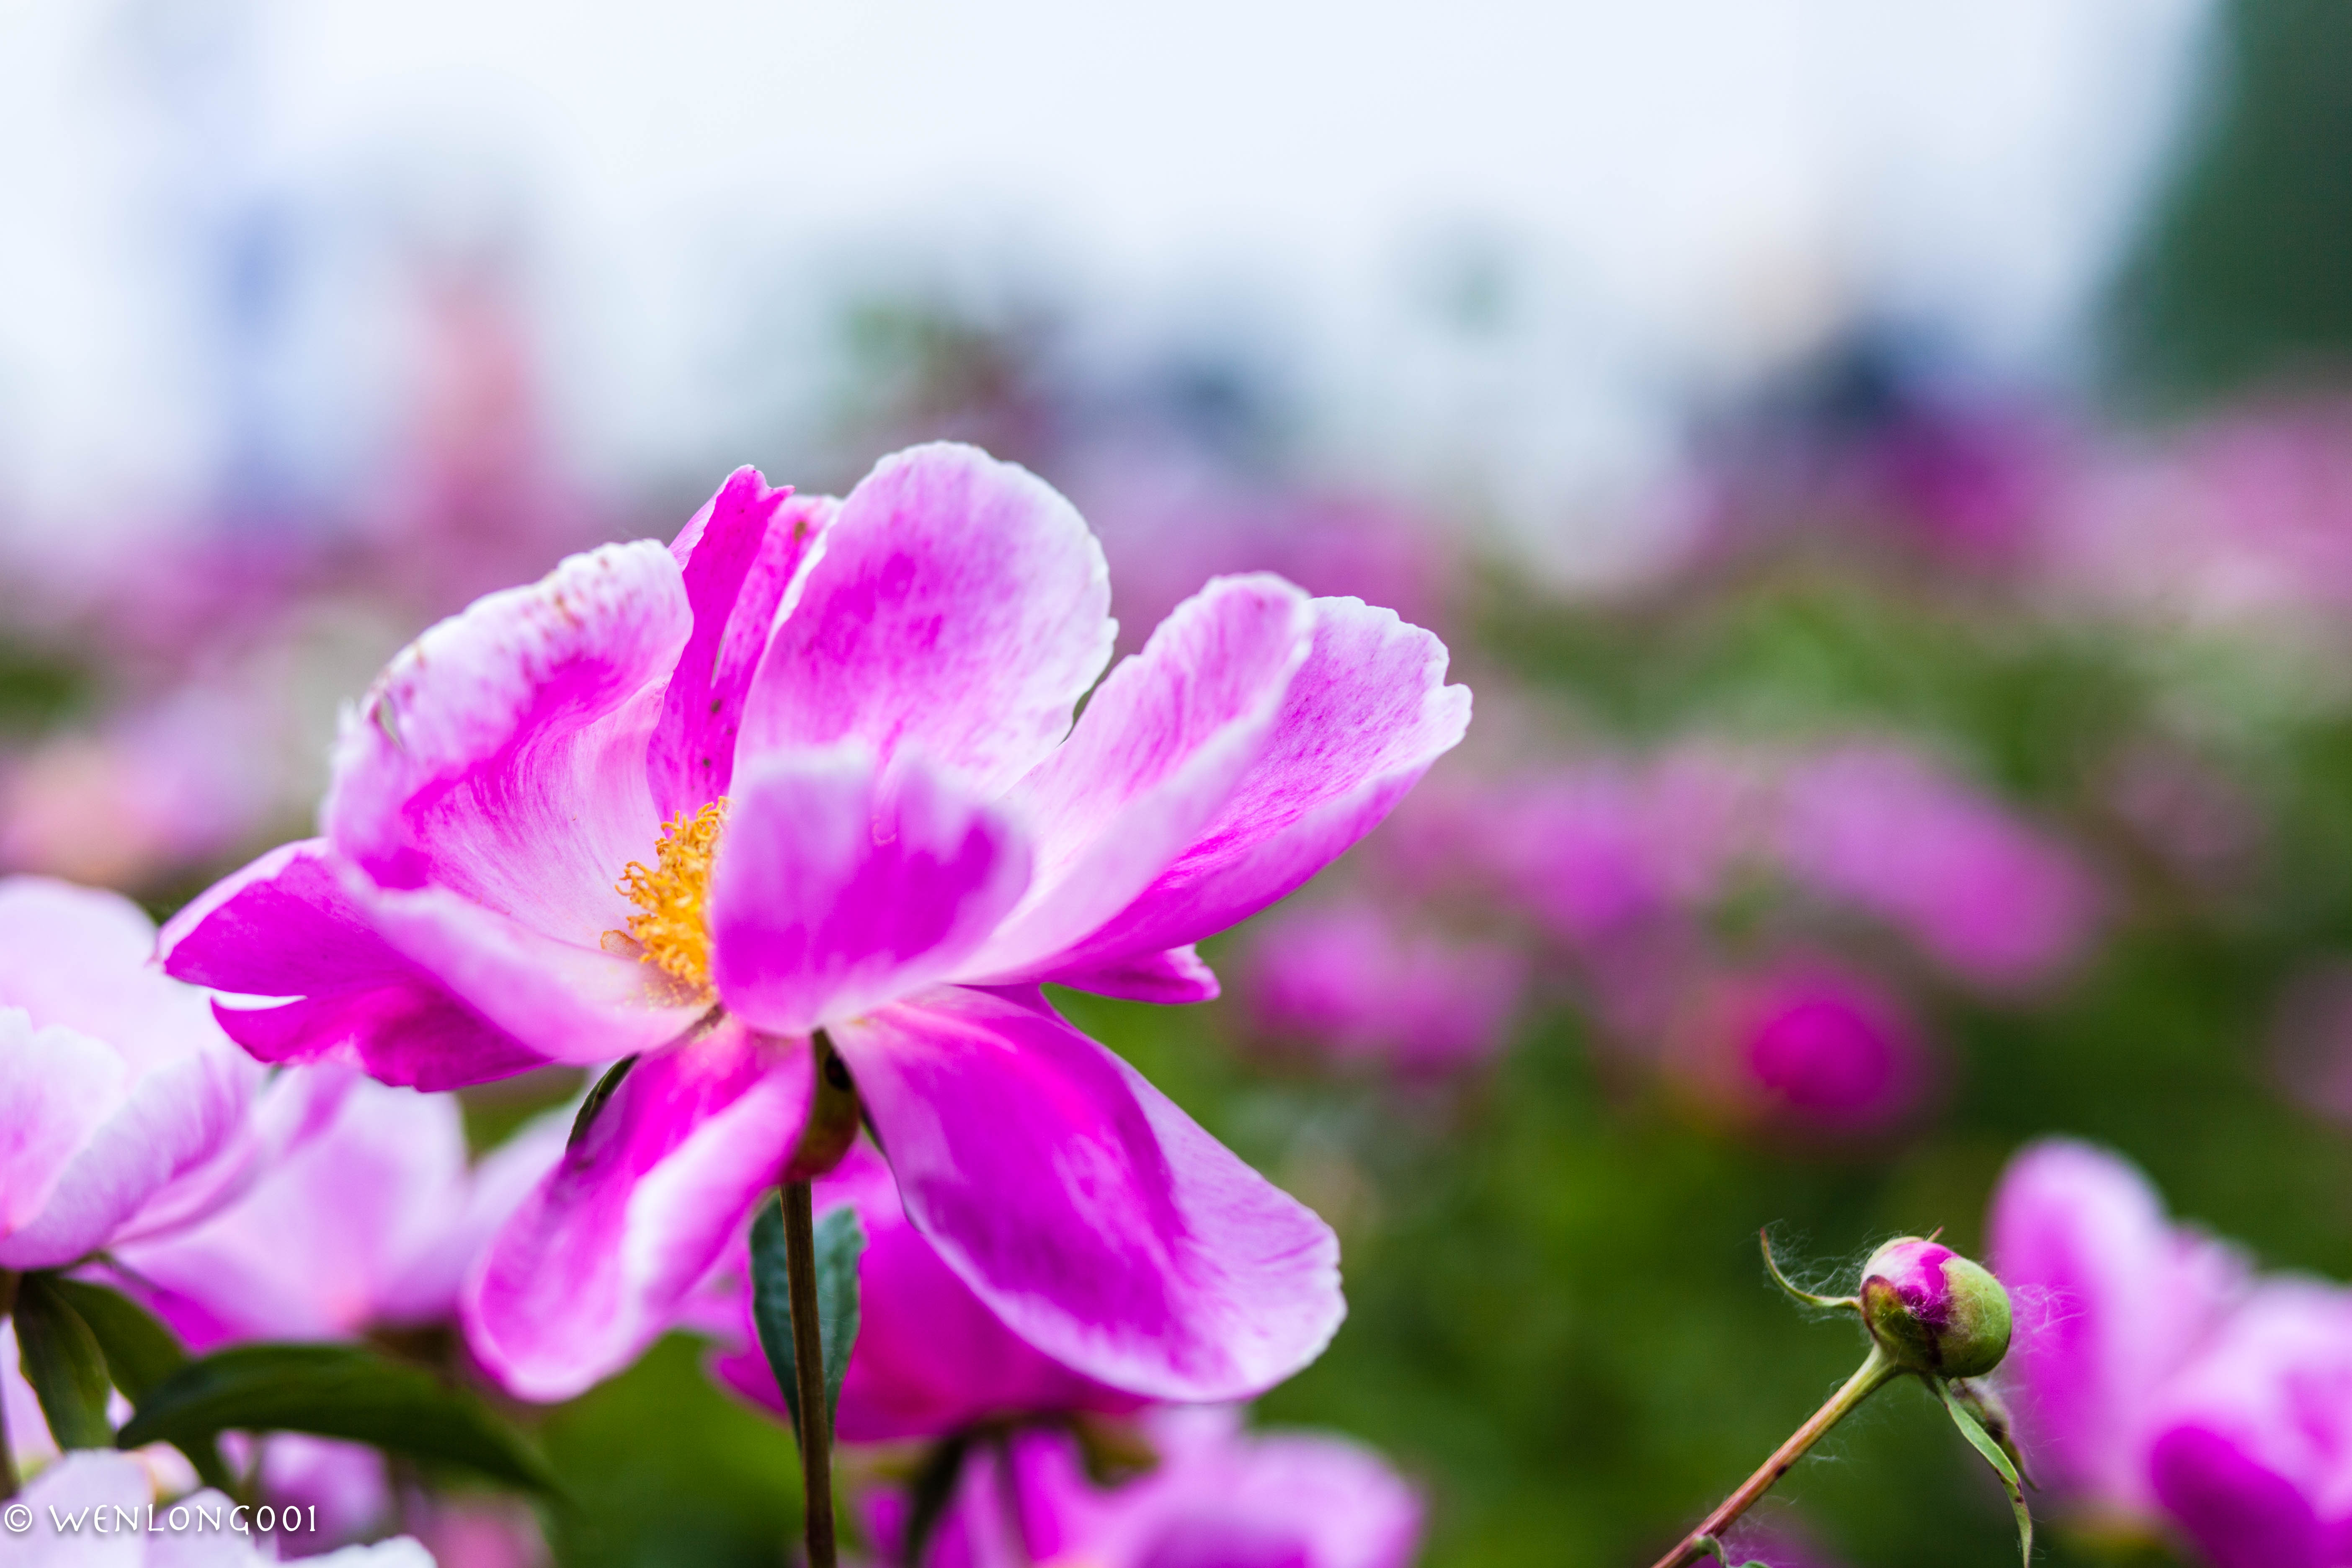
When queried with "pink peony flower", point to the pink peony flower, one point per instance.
{"points": [[94, 1508], [930, 1358], [1805, 1045], [813, 767], [123, 1107], [2159, 1384], [1221, 1498], [1352, 982], [371, 1225], [1998, 902]]}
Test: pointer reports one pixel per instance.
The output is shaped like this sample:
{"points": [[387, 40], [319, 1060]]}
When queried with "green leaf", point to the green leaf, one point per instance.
{"points": [[141, 1353], [140, 1350], [840, 1242], [1983, 1444], [335, 1391], [62, 1360]]}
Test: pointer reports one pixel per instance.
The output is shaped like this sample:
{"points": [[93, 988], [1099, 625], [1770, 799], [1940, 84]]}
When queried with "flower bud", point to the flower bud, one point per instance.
{"points": [[1933, 1310]]}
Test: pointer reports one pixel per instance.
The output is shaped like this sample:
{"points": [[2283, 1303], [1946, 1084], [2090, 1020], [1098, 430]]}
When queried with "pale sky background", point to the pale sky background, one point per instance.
{"points": [[1684, 189]]}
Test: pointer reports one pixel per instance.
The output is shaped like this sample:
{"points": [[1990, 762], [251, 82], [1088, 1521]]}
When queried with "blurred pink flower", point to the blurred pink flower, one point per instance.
{"points": [[123, 1107], [179, 782], [843, 730], [1996, 901], [482, 1532], [372, 1223], [1357, 986], [1221, 1498], [1597, 850], [2245, 519], [2156, 1381], [930, 1358], [1805, 1047]]}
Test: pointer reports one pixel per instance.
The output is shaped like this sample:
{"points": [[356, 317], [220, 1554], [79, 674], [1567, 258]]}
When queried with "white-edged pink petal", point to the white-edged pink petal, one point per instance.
{"points": [[961, 606], [594, 1263], [1095, 1218], [1153, 760], [502, 754], [836, 890]]}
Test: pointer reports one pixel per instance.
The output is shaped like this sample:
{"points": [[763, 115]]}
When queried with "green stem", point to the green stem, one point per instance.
{"points": [[1873, 1374], [808, 1365], [10, 1482]]}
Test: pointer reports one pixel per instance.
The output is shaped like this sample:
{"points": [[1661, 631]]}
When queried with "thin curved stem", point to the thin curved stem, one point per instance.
{"points": [[10, 1482], [1873, 1374], [808, 1367]]}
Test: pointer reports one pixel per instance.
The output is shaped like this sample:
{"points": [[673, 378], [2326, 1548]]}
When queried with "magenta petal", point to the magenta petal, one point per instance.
{"points": [[1152, 762], [742, 556], [2111, 1299], [1094, 1218], [930, 1358], [1175, 977], [565, 1002], [502, 754], [289, 925], [833, 892], [594, 1263], [1360, 722], [959, 606], [2241, 1512]]}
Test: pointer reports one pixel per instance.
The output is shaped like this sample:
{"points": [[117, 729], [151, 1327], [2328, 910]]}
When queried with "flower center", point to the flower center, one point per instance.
{"points": [[670, 935]]}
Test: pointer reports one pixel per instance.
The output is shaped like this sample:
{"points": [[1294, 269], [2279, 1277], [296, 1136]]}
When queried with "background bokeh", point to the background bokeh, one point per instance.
{"points": [[1886, 473]]}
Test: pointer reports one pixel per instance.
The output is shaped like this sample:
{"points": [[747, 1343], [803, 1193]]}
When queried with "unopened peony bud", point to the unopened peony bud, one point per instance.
{"points": [[1933, 1310]]}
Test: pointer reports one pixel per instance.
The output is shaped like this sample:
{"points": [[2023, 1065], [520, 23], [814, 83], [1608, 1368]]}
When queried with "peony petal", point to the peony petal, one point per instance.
{"points": [[295, 923], [2111, 1301], [175, 1119], [961, 606], [79, 957], [593, 1265], [502, 754], [565, 1003], [56, 1089], [930, 1359], [307, 1252], [1361, 721], [743, 557], [2241, 1512], [1176, 977], [833, 892], [1090, 1213], [1152, 762], [80, 1483]]}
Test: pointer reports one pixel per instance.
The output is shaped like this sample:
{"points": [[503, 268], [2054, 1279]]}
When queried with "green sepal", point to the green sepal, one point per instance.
{"points": [[1714, 1548], [1983, 1444], [1850, 1303], [840, 1241], [140, 1352], [336, 1391], [592, 1104], [62, 1360]]}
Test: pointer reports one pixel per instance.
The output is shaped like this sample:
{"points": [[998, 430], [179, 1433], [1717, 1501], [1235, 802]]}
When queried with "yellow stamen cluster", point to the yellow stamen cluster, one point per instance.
{"points": [[671, 934]]}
